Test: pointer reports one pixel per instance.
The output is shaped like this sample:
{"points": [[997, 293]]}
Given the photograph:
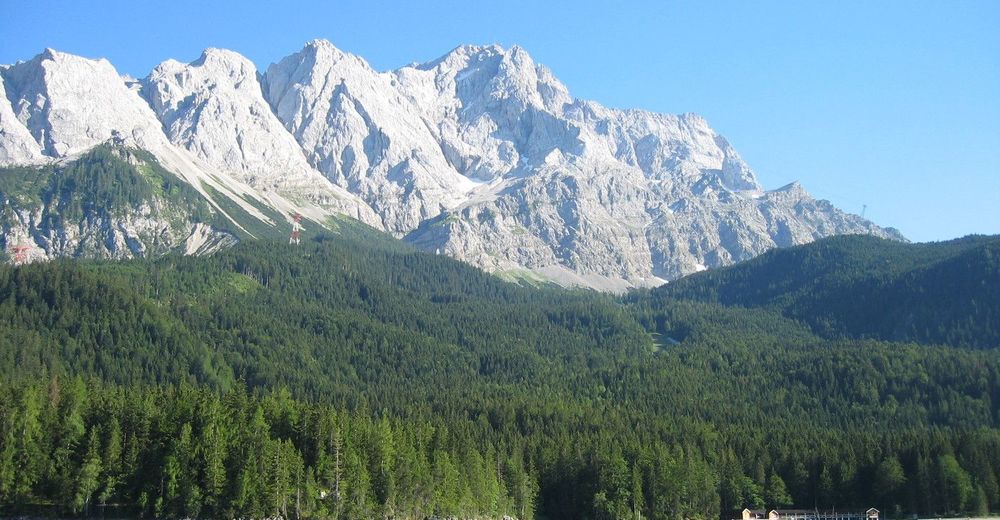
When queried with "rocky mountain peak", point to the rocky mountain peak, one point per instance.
{"points": [[69, 103], [214, 107], [491, 75], [222, 61], [323, 56]]}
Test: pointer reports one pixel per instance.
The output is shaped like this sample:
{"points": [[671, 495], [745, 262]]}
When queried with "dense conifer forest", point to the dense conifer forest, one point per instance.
{"points": [[353, 377], [863, 286]]}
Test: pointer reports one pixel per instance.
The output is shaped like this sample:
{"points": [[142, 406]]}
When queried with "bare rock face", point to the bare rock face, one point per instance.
{"points": [[214, 108], [58, 107], [356, 128], [17, 146], [482, 154], [62, 107], [70, 104]]}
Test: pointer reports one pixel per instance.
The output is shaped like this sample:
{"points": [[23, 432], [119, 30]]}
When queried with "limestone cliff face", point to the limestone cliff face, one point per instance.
{"points": [[215, 109], [355, 126], [482, 154]]}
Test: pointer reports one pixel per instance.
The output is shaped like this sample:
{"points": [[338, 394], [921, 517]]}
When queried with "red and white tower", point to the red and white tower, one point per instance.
{"points": [[296, 229]]}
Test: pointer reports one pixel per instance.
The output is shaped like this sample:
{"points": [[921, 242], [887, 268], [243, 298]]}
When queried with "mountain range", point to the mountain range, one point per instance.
{"points": [[482, 155]]}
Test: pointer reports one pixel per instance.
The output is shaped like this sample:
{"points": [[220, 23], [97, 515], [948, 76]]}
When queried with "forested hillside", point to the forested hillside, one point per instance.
{"points": [[862, 286], [353, 377], [111, 201]]}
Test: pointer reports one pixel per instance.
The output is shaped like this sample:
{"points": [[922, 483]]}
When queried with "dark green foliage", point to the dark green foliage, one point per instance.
{"points": [[414, 386], [861, 286], [184, 452], [24, 186]]}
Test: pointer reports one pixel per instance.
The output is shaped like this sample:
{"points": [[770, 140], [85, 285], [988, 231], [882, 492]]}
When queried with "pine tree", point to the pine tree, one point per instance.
{"points": [[22, 456], [775, 492], [88, 478], [956, 486], [889, 480], [638, 500], [357, 487], [383, 467], [212, 449], [70, 430], [112, 462]]}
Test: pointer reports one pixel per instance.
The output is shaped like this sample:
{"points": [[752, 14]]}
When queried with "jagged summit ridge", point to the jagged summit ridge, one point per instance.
{"points": [[215, 109], [356, 128], [482, 153], [567, 187]]}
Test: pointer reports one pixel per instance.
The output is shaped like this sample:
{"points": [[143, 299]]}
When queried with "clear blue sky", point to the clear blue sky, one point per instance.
{"points": [[892, 104]]}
